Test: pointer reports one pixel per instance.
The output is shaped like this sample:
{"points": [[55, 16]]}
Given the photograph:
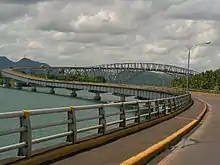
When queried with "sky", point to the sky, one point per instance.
{"points": [[93, 32]]}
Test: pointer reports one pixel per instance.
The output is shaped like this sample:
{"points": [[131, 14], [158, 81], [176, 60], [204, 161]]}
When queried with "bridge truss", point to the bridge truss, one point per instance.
{"points": [[118, 72]]}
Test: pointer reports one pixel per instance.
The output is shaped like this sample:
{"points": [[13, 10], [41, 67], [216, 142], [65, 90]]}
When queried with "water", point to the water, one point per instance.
{"points": [[15, 100]]}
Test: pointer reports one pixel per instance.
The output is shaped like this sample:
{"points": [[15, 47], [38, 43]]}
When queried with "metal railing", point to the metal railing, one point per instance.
{"points": [[133, 112]]}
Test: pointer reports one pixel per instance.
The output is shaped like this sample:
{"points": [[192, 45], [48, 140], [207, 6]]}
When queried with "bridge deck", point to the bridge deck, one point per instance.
{"points": [[120, 150], [206, 149]]}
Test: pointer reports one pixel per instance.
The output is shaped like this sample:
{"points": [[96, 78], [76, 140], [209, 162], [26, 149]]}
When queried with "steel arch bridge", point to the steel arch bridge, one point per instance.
{"points": [[117, 72]]}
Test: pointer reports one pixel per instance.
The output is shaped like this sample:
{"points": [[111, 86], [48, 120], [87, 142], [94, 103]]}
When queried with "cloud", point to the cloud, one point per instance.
{"points": [[91, 32], [10, 12], [35, 45], [22, 1], [197, 10]]}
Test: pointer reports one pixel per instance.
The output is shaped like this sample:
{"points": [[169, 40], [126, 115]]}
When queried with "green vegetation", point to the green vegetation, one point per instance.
{"points": [[74, 77], [208, 80], [1, 78]]}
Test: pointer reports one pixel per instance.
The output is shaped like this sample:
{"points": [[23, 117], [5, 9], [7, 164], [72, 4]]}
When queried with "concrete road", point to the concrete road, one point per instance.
{"points": [[203, 146]]}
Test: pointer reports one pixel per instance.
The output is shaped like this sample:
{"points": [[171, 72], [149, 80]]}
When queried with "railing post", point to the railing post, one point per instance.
{"points": [[182, 99], [102, 120], [186, 100], [170, 105], [148, 105], [174, 104], [122, 116], [26, 135], [138, 114], [72, 125], [189, 97], [178, 103], [164, 107], [157, 104]]}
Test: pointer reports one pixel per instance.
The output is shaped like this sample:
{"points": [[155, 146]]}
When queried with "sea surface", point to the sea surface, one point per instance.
{"points": [[16, 100]]}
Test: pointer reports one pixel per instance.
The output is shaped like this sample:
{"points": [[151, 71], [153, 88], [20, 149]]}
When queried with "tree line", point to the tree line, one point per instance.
{"points": [[73, 77], [209, 79], [1, 78]]}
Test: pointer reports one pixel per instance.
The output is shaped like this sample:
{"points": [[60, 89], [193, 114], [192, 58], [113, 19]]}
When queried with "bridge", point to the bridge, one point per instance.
{"points": [[106, 125], [117, 72], [122, 90], [114, 73]]}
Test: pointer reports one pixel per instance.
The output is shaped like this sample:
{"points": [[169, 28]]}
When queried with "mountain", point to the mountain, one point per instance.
{"points": [[152, 78], [24, 62], [5, 62]]}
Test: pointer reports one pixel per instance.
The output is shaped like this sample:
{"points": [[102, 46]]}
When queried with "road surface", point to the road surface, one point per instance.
{"points": [[203, 146]]}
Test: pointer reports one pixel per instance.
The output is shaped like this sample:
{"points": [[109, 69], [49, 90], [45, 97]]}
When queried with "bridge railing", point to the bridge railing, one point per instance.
{"points": [[128, 114]]}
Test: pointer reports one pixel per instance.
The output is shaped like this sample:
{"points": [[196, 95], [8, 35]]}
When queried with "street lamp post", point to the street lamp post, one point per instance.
{"points": [[188, 59]]}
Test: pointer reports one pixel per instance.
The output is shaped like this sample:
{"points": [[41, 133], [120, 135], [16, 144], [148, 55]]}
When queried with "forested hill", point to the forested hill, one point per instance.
{"points": [[209, 79]]}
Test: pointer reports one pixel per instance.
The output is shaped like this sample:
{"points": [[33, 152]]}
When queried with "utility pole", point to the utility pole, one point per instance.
{"points": [[188, 61]]}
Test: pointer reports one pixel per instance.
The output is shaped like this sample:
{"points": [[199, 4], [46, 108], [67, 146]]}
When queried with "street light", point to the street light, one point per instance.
{"points": [[189, 52]]}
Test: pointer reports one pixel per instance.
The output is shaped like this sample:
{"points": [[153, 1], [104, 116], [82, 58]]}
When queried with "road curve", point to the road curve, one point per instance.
{"points": [[203, 146]]}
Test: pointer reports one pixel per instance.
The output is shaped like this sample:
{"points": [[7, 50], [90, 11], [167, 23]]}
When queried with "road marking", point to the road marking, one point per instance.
{"points": [[194, 135], [205, 94], [184, 118]]}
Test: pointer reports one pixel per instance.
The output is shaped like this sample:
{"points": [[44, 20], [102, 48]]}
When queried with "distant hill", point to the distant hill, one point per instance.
{"points": [[152, 78], [24, 62], [5, 62]]}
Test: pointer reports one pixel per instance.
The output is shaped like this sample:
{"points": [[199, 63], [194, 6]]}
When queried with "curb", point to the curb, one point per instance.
{"points": [[157, 148], [206, 93]]}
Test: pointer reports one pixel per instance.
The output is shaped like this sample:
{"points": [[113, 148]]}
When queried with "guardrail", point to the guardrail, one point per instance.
{"points": [[140, 111]]}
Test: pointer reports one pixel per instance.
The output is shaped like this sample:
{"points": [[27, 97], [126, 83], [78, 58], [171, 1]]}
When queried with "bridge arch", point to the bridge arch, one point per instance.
{"points": [[118, 72]]}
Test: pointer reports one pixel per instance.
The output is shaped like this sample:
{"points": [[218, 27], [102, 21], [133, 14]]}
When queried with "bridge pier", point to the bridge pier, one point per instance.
{"points": [[122, 98], [33, 89], [18, 85], [6, 82], [97, 96], [73, 93], [52, 91], [141, 98]]}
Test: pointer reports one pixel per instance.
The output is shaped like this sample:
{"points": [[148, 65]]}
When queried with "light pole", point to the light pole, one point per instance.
{"points": [[189, 53]]}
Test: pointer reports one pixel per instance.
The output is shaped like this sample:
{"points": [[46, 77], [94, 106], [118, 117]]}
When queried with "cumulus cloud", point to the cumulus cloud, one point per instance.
{"points": [[92, 32]]}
